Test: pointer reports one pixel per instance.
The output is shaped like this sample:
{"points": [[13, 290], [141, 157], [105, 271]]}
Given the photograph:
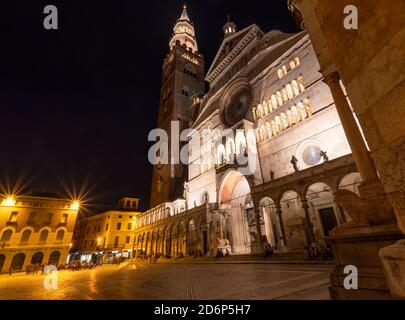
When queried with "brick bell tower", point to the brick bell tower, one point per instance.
{"points": [[182, 76]]}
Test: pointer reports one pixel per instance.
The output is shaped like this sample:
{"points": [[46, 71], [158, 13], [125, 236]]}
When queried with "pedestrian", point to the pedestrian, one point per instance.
{"points": [[10, 270]]}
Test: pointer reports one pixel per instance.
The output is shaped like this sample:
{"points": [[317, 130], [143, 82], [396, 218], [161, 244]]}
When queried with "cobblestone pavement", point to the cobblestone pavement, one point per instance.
{"points": [[176, 282]]}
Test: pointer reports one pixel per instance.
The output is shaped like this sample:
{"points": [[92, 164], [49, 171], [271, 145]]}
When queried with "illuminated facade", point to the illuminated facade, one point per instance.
{"points": [[35, 229], [108, 234], [268, 84]]}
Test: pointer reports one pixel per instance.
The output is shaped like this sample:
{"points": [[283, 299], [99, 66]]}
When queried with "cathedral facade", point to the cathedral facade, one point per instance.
{"points": [[272, 149]]}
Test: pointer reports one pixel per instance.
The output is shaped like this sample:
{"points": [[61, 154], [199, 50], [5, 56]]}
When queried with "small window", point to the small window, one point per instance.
{"points": [[64, 218], [116, 241], [49, 218], [129, 226], [106, 227], [119, 226], [26, 236], [60, 235], [119, 217], [13, 216], [43, 237], [99, 229], [128, 239], [6, 236], [31, 218]]}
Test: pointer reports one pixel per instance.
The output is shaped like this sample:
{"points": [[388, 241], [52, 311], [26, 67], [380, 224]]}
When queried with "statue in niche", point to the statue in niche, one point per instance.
{"points": [[294, 162], [159, 184], [186, 190], [324, 155], [271, 175]]}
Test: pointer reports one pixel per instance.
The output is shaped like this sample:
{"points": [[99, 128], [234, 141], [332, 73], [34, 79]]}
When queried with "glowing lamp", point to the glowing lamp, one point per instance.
{"points": [[9, 202], [75, 205]]}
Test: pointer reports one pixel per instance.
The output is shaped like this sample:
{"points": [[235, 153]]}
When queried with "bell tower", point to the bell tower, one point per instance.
{"points": [[182, 76]]}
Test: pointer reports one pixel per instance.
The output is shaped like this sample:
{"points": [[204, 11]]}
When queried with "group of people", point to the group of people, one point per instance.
{"points": [[315, 252], [152, 257], [34, 268]]}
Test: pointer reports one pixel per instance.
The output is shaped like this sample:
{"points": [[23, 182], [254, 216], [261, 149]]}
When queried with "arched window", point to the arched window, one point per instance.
{"points": [[240, 142], [284, 68], [37, 258], [60, 235], [18, 261], [280, 73], [292, 65], [6, 236], [297, 61], [308, 107], [284, 120], [26, 236], [289, 117], [265, 109], [274, 102], [185, 91], [284, 95], [260, 111], [295, 115], [268, 130], [54, 258], [302, 111], [290, 93], [279, 124], [43, 237], [270, 106], [263, 132], [254, 110], [274, 127], [295, 88], [279, 99], [301, 84]]}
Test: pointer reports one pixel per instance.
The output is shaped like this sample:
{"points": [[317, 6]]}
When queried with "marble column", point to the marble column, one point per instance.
{"points": [[360, 153], [308, 224], [279, 212]]}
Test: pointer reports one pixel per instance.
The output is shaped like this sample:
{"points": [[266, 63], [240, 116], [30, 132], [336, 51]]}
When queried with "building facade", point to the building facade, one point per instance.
{"points": [[108, 234], [271, 153], [35, 229]]}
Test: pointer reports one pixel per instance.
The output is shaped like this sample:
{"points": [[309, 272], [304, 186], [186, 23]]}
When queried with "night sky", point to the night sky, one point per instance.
{"points": [[77, 103]]}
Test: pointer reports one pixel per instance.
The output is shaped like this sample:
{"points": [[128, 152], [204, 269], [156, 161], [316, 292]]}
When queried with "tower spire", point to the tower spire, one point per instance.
{"points": [[183, 32], [184, 14], [229, 27]]}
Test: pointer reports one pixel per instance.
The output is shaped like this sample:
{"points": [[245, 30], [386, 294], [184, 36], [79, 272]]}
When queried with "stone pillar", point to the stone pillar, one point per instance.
{"points": [[259, 244], [361, 155], [308, 224], [280, 216]]}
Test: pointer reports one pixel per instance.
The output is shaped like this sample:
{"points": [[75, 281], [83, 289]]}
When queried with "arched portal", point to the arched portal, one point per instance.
{"points": [[236, 221], [294, 220], [323, 210], [38, 257], [272, 225], [54, 258], [182, 239], [18, 261], [191, 238]]}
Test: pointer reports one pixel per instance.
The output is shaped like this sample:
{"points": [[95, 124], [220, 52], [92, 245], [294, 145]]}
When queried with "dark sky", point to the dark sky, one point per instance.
{"points": [[77, 103]]}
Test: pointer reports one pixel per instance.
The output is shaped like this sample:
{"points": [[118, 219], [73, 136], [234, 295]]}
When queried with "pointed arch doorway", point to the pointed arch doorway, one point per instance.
{"points": [[236, 221]]}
